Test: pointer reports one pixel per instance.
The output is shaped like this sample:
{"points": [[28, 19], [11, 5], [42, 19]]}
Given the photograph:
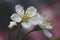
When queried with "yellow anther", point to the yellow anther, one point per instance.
{"points": [[25, 17], [46, 21]]}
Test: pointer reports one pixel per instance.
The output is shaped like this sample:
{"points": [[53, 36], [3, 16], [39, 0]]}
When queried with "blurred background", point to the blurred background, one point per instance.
{"points": [[50, 7]]}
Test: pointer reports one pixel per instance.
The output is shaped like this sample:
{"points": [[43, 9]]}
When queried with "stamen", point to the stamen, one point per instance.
{"points": [[25, 17], [46, 21]]}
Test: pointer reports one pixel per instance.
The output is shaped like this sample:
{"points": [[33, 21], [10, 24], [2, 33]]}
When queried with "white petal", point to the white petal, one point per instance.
{"points": [[47, 33], [43, 26], [36, 19], [31, 11], [11, 24], [48, 27], [26, 25], [34, 22], [19, 9], [39, 18], [15, 17]]}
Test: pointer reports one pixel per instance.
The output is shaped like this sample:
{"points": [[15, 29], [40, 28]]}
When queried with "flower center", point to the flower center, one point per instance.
{"points": [[45, 21], [25, 17]]}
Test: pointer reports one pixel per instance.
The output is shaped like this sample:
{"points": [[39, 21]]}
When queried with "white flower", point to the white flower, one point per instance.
{"points": [[28, 18], [45, 25], [11, 24]]}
